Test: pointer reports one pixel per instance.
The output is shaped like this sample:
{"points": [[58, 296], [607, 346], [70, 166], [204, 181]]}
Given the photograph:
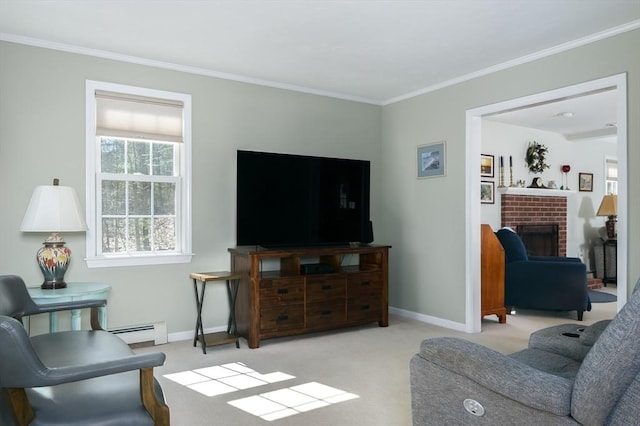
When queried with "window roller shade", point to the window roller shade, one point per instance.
{"points": [[138, 117]]}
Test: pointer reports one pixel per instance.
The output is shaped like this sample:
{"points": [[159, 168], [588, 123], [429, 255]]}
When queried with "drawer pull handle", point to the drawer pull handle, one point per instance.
{"points": [[326, 287], [325, 313], [283, 290], [365, 307], [365, 283], [282, 318]]}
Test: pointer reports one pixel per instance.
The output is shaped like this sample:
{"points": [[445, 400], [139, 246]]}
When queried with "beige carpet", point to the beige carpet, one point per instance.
{"points": [[369, 362]]}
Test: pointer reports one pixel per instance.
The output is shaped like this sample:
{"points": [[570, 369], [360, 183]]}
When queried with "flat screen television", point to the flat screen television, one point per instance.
{"points": [[286, 200]]}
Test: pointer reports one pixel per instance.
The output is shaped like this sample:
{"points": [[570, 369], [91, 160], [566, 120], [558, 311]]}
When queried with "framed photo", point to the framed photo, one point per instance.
{"points": [[585, 182], [487, 192], [431, 160], [486, 165]]}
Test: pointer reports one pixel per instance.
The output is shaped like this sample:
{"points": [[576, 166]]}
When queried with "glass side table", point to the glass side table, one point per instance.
{"points": [[74, 291]]}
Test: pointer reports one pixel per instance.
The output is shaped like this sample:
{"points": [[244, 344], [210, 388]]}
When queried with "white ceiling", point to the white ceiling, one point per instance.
{"points": [[589, 116], [370, 51]]}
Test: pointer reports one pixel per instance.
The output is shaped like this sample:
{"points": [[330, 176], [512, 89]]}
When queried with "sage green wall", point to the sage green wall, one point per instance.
{"points": [[424, 219], [42, 136]]}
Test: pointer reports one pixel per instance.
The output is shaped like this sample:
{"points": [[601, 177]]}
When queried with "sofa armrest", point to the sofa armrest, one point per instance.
{"points": [[542, 272], [56, 376], [500, 374], [70, 356]]}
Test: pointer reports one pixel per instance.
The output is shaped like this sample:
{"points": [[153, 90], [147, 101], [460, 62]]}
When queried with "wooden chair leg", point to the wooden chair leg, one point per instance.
{"points": [[158, 410], [95, 319], [20, 406]]}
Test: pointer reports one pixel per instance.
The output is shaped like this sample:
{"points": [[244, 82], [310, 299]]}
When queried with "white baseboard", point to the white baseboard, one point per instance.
{"points": [[457, 326]]}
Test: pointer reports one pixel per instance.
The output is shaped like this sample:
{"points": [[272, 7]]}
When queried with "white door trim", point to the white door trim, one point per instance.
{"points": [[473, 320]]}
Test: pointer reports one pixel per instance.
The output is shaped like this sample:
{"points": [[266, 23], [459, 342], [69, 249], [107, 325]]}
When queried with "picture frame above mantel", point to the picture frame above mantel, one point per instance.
{"points": [[486, 166], [585, 182]]}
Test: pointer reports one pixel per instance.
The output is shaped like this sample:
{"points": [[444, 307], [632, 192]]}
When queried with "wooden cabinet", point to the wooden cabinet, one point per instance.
{"points": [[492, 274], [276, 299]]}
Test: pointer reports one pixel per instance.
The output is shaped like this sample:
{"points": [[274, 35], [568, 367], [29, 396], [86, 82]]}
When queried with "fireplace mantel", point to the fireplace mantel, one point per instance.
{"points": [[538, 192]]}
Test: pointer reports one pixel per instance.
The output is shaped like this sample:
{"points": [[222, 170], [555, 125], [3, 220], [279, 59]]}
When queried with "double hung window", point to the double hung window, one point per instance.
{"points": [[138, 176]]}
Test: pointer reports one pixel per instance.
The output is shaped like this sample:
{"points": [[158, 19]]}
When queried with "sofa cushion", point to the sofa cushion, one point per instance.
{"points": [[563, 339], [548, 362], [571, 340], [514, 249]]}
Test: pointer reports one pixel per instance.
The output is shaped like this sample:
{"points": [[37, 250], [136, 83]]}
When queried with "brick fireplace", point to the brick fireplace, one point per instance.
{"points": [[527, 206]]}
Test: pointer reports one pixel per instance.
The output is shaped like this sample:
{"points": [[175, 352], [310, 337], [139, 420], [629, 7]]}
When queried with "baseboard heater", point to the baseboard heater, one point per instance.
{"points": [[156, 333]]}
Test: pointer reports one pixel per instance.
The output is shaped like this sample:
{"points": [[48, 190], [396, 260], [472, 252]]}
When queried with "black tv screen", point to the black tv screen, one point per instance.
{"points": [[294, 200]]}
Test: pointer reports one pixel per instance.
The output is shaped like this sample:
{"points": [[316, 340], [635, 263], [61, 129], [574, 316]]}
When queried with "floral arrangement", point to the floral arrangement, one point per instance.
{"points": [[536, 157]]}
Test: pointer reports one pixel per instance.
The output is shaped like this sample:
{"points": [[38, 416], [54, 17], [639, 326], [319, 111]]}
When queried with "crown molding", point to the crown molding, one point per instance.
{"points": [[284, 86], [105, 54], [522, 60]]}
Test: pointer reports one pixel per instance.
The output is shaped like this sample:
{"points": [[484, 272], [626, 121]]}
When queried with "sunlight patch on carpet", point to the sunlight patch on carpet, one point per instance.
{"points": [[226, 378], [270, 406], [294, 400]]}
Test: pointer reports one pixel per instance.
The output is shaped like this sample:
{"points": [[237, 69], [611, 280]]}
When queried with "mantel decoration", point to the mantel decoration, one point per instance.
{"points": [[536, 157]]}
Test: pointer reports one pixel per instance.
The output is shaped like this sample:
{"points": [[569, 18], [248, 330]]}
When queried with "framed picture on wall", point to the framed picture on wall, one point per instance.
{"points": [[486, 165], [487, 192], [585, 182], [431, 160]]}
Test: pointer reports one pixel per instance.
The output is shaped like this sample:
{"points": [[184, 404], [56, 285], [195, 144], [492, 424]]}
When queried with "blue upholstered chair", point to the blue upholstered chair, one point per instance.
{"points": [[542, 282]]}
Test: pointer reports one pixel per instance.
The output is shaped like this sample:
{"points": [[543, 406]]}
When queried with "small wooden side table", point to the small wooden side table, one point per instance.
{"points": [[220, 338], [610, 244], [73, 291]]}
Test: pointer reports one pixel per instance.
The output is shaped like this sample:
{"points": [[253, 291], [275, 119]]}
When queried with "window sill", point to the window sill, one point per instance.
{"points": [[136, 260]]}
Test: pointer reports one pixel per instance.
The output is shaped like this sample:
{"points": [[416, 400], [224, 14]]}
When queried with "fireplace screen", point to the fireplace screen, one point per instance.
{"points": [[539, 240]]}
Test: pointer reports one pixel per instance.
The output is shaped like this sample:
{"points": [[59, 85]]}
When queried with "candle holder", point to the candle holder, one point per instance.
{"points": [[566, 168], [511, 185], [501, 184]]}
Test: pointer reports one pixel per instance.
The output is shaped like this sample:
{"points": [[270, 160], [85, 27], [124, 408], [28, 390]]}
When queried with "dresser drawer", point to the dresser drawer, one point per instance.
{"points": [[363, 284], [323, 289], [364, 308], [322, 314], [282, 318], [281, 292]]}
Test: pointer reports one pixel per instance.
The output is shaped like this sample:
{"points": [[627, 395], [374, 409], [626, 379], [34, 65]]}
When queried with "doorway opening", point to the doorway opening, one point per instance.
{"points": [[474, 120]]}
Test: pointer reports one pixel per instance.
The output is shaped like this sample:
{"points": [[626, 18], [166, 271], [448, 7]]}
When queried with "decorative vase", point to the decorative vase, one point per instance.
{"points": [[53, 260]]}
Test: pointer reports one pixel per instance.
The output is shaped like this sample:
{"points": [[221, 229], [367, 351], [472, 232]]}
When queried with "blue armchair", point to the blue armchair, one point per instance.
{"points": [[542, 282]]}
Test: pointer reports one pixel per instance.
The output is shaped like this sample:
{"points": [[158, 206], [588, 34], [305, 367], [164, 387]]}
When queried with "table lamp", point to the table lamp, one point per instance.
{"points": [[609, 207], [53, 209]]}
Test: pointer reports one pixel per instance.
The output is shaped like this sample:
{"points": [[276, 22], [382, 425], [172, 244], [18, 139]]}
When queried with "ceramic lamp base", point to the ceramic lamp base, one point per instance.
{"points": [[53, 260]]}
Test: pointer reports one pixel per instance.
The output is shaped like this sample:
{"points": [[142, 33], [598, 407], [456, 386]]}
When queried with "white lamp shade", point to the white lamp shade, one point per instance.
{"points": [[53, 208]]}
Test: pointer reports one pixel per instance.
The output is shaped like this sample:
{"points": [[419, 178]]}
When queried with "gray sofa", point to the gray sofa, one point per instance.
{"points": [[592, 378]]}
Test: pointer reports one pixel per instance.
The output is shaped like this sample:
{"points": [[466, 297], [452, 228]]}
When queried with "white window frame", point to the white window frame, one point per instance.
{"points": [[94, 257], [608, 181]]}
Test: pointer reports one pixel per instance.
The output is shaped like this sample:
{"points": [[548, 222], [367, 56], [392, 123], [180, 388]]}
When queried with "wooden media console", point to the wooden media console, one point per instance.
{"points": [[281, 300]]}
